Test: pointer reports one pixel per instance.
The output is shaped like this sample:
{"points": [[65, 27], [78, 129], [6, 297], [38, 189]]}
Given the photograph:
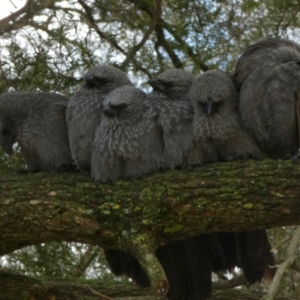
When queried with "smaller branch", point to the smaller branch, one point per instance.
{"points": [[161, 41], [12, 17], [24, 15], [95, 293], [155, 17], [90, 21], [294, 17], [282, 242], [12, 3], [145, 254], [295, 267], [78, 287], [184, 45], [86, 260], [293, 248]]}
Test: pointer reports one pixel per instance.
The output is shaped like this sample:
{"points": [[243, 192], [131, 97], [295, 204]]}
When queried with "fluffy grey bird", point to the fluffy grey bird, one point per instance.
{"points": [[119, 149], [262, 55], [218, 134], [36, 121], [168, 107], [84, 110], [268, 76]]}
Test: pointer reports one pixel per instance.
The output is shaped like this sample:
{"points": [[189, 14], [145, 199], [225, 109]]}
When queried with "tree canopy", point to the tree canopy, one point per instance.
{"points": [[53, 224]]}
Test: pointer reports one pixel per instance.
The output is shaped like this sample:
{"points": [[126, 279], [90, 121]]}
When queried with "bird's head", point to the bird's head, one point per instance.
{"points": [[124, 104], [173, 83], [105, 78], [213, 94]]}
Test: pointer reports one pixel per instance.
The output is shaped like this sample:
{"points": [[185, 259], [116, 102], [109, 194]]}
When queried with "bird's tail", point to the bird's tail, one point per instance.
{"points": [[254, 256]]}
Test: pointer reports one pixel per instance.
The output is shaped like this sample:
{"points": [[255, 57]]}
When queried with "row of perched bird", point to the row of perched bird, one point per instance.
{"points": [[117, 131]]}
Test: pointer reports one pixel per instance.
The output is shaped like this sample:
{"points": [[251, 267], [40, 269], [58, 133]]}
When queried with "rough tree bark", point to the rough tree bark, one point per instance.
{"points": [[13, 286], [139, 215]]}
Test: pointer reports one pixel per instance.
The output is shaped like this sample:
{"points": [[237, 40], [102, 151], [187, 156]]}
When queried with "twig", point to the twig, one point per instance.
{"points": [[12, 4], [86, 287], [95, 293], [14, 21], [291, 253], [282, 242], [90, 21], [155, 17], [86, 261]]}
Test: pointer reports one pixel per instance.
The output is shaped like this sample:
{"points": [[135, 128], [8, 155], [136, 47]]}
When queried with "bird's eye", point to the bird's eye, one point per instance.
{"points": [[101, 80], [219, 103], [169, 84], [123, 106], [95, 81], [119, 107]]}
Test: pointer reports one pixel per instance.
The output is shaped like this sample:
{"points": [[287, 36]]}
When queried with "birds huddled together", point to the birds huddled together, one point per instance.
{"points": [[116, 131]]}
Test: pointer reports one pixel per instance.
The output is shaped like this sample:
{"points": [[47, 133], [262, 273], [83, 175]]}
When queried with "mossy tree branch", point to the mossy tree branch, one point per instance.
{"points": [[12, 286], [140, 215], [164, 206]]}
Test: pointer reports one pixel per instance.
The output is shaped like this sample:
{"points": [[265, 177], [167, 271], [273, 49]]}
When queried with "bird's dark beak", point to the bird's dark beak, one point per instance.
{"points": [[156, 84], [110, 111], [209, 108]]}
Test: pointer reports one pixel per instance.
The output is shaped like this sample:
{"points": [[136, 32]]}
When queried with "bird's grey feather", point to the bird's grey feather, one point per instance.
{"points": [[36, 121], [220, 136], [169, 109], [84, 110], [218, 133], [263, 55], [119, 149], [268, 92]]}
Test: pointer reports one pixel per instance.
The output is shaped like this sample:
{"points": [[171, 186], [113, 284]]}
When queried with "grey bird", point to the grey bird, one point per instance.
{"points": [[36, 121], [84, 110], [186, 262], [268, 77], [170, 113], [119, 150], [218, 134]]}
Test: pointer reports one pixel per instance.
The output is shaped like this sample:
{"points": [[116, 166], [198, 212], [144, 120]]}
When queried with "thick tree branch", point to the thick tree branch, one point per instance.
{"points": [[24, 15], [165, 206], [12, 286], [140, 215]]}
